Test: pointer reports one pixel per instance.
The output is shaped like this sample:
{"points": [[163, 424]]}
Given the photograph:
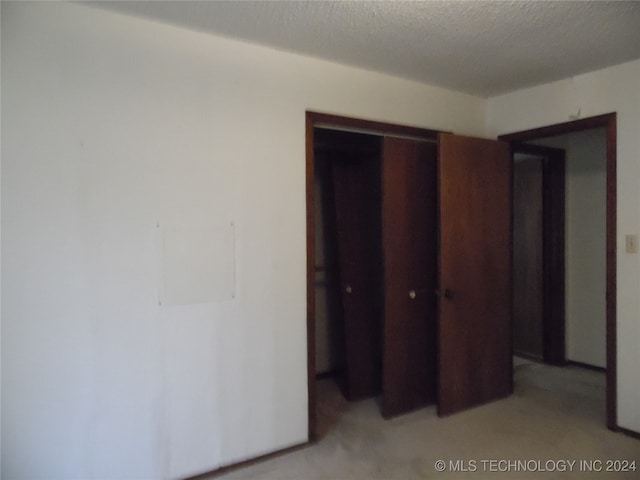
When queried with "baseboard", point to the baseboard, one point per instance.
{"points": [[630, 433], [249, 462], [586, 365]]}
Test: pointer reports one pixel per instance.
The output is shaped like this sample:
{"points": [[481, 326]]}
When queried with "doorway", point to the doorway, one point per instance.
{"points": [[606, 122]]}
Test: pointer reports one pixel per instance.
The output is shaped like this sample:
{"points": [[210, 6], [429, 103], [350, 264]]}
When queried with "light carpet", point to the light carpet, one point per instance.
{"points": [[556, 416]]}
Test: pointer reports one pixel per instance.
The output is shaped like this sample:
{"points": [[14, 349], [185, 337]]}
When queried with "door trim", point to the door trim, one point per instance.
{"points": [[312, 120], [609, 122]]}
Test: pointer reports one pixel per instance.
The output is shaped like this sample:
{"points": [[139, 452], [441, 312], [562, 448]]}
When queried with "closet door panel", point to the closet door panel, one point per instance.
{"points": [[352, 196], [409, 217], [474, 322]]}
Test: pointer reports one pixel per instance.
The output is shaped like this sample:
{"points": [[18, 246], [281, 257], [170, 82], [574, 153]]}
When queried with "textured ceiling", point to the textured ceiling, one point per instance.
{"points": [[480, 47]]}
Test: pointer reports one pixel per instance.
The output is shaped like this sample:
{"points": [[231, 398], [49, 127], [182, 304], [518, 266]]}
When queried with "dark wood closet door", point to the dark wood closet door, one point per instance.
{"points": [[474, 350], [354, 196], [409, 216]]}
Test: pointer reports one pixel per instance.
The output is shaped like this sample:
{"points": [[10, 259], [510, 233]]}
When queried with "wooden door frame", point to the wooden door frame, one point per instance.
{"points": [[608, 122], [313, 120]]}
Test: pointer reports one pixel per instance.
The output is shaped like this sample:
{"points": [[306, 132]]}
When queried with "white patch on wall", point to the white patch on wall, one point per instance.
{"points": [[198, 265]]}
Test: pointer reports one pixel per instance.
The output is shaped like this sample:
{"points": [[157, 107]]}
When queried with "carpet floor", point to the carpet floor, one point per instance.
{"points": [[552, 427]]}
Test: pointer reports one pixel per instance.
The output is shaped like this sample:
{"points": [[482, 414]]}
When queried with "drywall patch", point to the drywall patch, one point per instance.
{"points": [[198, 264]]}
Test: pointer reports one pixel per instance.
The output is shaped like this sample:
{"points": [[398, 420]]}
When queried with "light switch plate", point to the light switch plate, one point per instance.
{"points": [[631, 243]]}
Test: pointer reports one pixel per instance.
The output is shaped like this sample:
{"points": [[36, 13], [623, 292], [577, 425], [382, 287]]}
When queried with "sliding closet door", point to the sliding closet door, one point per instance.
{"points": [[409, 214], [356, 185], [474, 324]]}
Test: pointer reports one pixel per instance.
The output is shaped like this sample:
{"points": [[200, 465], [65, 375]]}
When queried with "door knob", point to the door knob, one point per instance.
{"points": [[348, 289], [412, 294]]}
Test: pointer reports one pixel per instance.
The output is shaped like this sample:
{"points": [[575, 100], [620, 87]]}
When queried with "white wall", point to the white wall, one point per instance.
{"points": [[614, 89], [111, 126], [586, 197], [585, 244]]}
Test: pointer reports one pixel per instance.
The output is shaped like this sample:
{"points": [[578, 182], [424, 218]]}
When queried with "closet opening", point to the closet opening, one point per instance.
{"points": [[363, 342], [412, 228]]}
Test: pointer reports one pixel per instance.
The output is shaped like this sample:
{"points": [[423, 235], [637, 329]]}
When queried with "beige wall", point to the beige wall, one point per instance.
{"points": [[114, 130], [586, 248], [585, 244]]}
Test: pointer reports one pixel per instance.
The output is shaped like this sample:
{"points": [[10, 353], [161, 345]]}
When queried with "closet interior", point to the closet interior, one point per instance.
{"points": [[376, 266]]}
